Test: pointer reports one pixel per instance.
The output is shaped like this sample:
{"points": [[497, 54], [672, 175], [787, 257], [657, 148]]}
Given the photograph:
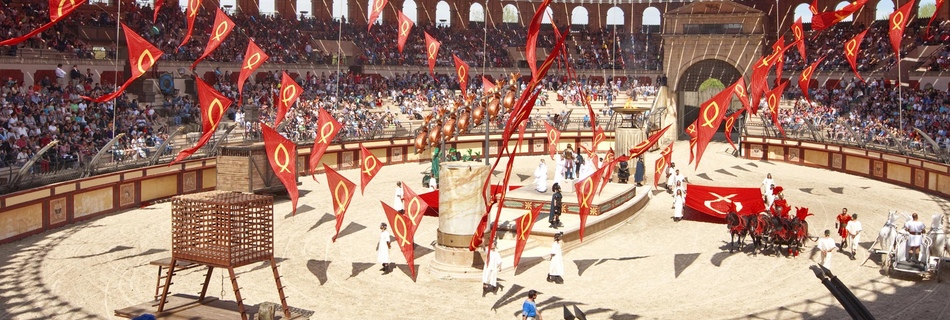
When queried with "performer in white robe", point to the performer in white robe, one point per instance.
{"points": [[914, 240], [490, 271], [541, 177], [556, 270], [559, 169], [397, 198], [827, 245], [854, 233], [587, 169], [679, 200], [382, 249], [767, 184]]}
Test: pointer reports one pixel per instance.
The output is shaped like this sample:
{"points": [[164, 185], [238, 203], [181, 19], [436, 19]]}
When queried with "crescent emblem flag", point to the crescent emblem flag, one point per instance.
{"points": [[404, 29], [851, 46], [282, 158], [151, 60], [220, 31], [432, 50], [215, 112], [709, 120], [288, 94], [414, 209], [326, 130], [897, 21], [402, 230], [367, 169], [252, 61]]}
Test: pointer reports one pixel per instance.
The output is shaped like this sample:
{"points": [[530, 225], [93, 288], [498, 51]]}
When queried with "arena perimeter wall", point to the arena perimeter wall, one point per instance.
{"points": [[914, 173], [37, 210]]}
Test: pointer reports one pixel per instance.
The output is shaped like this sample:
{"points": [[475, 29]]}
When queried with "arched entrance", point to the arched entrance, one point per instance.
{"points": [[691, 91]]}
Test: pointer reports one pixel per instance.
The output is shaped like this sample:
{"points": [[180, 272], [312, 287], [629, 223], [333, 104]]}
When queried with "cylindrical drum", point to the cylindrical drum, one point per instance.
{"points": [[627, 138], [461, 204]]}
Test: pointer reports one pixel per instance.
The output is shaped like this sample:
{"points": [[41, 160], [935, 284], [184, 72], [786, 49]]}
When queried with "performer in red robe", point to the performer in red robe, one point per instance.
{"points": [[842, 222]]}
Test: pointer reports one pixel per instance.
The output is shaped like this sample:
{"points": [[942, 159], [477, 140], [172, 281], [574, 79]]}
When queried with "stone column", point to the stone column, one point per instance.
{"points": [[461, 206]]}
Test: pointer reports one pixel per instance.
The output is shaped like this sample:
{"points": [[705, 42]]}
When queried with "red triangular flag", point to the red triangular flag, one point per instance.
{"points": [[487, 85], [645, 145], [531, 44], [327, 128], [415, 206], [851, 49], [222, 28], [666, 156], [804, 81], [213, 107], [772, 99], [405, 25], [599, 137], [282, 155], [553, 137], [730, 122], [585, 195], [289, 92], [711, 113], [403, 232], [158, 5], [142, 56], [691, 131], [432, 52], [799, 32], [376, 10], [740, 92], [461, 71], [62, 8], [369, 166], [896, 22], [824, 20], [191, 12], [253, 58], [523, 227], [342, 191]]}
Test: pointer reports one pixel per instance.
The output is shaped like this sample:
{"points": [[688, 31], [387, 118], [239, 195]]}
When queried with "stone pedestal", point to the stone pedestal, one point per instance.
{"points": [[627, 138], [461, 206]]}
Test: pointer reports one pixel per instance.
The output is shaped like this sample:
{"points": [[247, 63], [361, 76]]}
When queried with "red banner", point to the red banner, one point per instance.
{"points": [[553, 137], [799, 32], [213, 107], [644, 146], [327, 128], [804, 81], [740, 92], [461, 71], [661, 163], [934, 16], [253, 58], [523, 227], [432, 52], [415, 206], [342, 191], [691, 131], [531, 45], [158, 5], [191, 12], [405, 25], [487, 86], [717, 201], [376, 10], [711, 113], [289, 92], [730, 122], [369, 166], [779, 57], [813, 7], [142, 56], [851, 49], [610, 162], [772, 99], [282, 155], [824, 20], [403, 232], [222, 28], [586, 190], [598, 138], [896, 22], [757, 83]]}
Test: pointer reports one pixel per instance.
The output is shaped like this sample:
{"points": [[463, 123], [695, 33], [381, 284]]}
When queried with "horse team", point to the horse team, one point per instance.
{"points": [[770, 230]]}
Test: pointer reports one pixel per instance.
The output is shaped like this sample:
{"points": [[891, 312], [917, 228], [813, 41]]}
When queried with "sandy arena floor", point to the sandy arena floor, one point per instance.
{"points": [[649, 268]]}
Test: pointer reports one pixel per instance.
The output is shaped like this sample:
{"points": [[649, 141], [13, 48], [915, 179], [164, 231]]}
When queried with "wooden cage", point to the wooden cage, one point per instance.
{"points": [[222, 228]]}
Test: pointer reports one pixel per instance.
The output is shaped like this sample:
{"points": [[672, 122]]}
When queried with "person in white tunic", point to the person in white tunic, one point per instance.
{"points": [[490, 271], [541, 177], [854, 233], [433, 185], [769, 198], [679, 200], [382, 249], [916, 230], [671, 177], [556, 270], [559, 169], [827, 245], [397, 199], [767, 184]]}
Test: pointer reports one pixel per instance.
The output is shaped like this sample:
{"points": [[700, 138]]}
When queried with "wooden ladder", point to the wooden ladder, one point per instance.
{"points": [[280, 289]]}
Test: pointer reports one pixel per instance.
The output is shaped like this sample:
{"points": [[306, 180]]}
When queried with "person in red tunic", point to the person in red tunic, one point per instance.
{"points": [[842, 222]]}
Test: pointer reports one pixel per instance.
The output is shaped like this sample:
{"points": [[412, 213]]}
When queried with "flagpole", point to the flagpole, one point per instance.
{"points": [[115, 64], [484, 95], [900, 94], [339, 58]]}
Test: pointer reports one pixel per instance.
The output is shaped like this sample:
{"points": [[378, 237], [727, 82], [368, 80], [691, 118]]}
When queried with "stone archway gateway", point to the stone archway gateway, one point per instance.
{"points": [[704, 40]]}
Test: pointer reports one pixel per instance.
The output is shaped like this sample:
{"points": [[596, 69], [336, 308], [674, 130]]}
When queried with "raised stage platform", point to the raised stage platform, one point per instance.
{"points": [[618, 203], [184, 307]]}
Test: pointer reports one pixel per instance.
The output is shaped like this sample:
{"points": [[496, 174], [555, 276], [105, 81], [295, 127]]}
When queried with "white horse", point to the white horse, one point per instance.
{"points": [[940, 247], [887, 237]]}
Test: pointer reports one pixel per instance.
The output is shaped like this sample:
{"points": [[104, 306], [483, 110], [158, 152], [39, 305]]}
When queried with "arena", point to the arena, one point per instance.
{"points": [[85, 210]]}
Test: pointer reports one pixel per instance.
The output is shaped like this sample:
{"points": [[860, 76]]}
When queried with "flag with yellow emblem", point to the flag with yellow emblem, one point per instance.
{"points": [[553, 137], [282, 155], [254, 57], [142, 56], [59, 9], [405, 25], [661, 163], [341, 191], [289, 92], [461, 71], [897, 21], [711, 113], [213, 107], [432, 52], [327, 128], [772, 99], [222, 28], [523, 227], [369, 166], [851, 49], [403, 232], [586, 189]]}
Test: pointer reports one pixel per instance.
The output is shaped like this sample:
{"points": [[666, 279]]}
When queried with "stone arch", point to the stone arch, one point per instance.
{"points": [[688, 82], [411, 10], [476, 13], [883, 9], [548, 13], [580, 16], [842, 4], [443, 14], [615, 16], [802, 11], [510, 14], [651, 16]]}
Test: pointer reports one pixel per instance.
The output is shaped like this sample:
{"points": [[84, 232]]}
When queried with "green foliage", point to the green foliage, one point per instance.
{"points": [[926, 10], [711, 84]]}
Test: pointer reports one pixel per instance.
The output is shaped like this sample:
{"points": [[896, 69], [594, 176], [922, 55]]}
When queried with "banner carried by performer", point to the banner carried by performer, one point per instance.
{"points": [[716, 201], [523, 227], [553, 137], [403, 232]]}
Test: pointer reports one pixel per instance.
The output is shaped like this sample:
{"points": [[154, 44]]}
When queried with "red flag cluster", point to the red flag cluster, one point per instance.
{"points": [[142, 56]]}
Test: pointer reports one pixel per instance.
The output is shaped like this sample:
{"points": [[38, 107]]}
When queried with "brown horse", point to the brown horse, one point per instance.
{"points": [[738, 228], [760, 228]]}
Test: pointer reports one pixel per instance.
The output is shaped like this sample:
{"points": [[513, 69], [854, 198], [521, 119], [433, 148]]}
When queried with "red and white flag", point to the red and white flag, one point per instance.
{"points": [[717, 201]]}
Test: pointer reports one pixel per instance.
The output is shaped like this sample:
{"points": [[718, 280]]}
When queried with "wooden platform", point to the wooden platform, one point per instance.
{"points": [[187, 307], [614, 195]]}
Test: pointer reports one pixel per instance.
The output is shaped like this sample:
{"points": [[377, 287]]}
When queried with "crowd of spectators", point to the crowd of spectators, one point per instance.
{"points": [[873, 112]]}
